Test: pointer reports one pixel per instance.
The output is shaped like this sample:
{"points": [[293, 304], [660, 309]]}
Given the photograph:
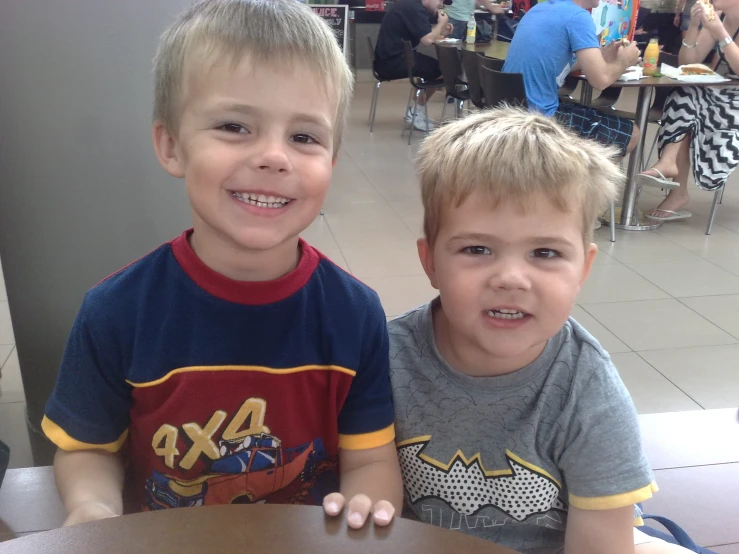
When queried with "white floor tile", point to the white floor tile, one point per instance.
{"points": [[650, 390], [657, 324], [708, 374]]}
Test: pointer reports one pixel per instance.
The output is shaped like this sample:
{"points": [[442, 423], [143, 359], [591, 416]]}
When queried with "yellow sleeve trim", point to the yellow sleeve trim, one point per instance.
{"points": [[367, 440], [59, 437], [615, 501], [638, 521]]}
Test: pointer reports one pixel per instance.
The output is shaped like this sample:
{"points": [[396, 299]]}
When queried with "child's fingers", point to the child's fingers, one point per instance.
{"points": [[358, 510], [383, 513], [333, 503]]}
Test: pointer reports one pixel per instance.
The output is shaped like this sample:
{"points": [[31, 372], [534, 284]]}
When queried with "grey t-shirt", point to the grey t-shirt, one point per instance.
{"points": [[503, 457]]}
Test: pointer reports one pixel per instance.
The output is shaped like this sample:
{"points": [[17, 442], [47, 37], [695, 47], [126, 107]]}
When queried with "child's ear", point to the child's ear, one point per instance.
{"points": [[165, 147], [426, 255], [590, 253]]}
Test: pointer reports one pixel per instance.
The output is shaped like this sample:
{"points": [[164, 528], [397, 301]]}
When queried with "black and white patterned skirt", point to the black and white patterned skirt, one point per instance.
{"points": [[711, 116]]}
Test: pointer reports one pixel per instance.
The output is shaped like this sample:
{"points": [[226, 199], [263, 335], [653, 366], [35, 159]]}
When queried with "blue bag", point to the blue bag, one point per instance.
{"points": [[676, 535]]}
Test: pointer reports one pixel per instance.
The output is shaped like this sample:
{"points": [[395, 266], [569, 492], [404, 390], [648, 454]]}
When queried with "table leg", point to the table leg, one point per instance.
{"points": [[629, 210], [586, 94]]}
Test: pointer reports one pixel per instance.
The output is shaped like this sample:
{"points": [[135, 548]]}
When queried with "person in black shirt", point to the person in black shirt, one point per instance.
{"points": [[420, 22]]}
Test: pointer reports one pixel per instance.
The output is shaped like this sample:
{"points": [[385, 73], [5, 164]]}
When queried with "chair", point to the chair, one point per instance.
{"points": [[499, 87], [378, 82], [471, 65], [491, 63], [418, 85], [568, 88], [451, 69]]}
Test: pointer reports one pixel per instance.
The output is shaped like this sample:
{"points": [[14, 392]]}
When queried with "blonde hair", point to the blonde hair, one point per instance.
{"points": [[509, 155], [275, 32]]}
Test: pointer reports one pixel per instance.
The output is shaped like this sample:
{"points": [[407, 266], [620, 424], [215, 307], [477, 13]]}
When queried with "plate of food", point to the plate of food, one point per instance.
{"points": [[692, 73]]}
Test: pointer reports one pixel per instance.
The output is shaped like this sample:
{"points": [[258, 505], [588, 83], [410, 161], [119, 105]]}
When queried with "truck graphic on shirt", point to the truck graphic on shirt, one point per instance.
{"points": [[248, 470]]}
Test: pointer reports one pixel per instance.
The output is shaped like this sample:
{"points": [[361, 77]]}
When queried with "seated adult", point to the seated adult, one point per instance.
{"points": [[701, 123], [461, 11], [555, 38], [420, 22]]}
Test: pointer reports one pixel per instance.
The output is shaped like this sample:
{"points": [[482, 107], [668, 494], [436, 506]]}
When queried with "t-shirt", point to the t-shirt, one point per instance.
{"points": [[543, 49], [461, 10], [222, 391], [405, 20], [503, 458]]}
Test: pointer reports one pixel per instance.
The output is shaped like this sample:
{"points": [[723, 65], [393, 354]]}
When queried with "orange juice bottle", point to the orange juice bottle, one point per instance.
{"points": [[651, 55]]}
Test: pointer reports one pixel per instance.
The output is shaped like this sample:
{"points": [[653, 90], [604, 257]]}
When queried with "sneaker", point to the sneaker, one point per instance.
{"points": [[420, 123], [597, 225], [409, 115]]}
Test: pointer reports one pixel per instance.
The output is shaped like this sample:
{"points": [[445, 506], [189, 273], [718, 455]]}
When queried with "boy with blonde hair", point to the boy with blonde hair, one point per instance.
{"points": [[235, 363], [512, 422]]}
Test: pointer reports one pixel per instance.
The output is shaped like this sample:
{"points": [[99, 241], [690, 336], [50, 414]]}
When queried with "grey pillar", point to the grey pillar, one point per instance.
{"points": [[81, 193]]}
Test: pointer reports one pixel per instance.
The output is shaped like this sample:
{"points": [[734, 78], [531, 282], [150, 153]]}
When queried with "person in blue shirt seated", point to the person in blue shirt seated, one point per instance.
{"points": [[556, 38]]}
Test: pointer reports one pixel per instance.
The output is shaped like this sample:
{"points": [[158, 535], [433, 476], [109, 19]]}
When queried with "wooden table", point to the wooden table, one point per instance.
{"points": [[629, 213], [257, 528], [493, 49]]}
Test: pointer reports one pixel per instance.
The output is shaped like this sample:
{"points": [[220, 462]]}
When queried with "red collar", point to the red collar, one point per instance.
{"points": [[244, 292]]}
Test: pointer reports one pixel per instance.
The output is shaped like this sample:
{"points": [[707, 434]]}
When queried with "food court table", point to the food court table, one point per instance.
{"points": [[629, 219], [253, 528], [494, 49]]}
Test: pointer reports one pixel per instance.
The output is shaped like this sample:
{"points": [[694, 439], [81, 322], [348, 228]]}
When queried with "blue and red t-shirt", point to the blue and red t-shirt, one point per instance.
{"points": [[222, 391]]}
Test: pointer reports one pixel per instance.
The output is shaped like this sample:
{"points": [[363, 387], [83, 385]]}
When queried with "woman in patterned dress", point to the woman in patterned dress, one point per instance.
{"points": [[700, 124]]}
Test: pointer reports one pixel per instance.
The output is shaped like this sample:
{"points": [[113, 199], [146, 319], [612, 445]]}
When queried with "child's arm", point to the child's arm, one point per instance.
{"points": [[600, 531], [90, 484], [371, 480]]}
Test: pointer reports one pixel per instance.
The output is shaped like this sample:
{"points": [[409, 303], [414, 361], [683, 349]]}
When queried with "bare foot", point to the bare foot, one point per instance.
{"points": [[675, 201], [670, 172]]}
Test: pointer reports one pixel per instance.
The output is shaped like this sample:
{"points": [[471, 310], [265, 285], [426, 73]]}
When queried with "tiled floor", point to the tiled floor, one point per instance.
{"points": [[665, 303]]}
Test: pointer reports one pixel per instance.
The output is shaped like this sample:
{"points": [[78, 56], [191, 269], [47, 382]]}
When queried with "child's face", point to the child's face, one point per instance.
{"points": [[488, 263], [255, 148]]}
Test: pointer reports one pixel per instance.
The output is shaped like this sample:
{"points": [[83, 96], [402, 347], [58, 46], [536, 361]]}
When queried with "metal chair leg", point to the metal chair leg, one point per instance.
{"points": [[721, 198], [426, 111], [612, 210], [716, 197], [413, 114], [372, 103], [443, 110], [373, 107], [321, 211], [460, 105], [407, 107]]}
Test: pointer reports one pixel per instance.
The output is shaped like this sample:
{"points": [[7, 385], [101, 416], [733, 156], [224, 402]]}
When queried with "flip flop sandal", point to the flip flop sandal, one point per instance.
{"points": [[660, 182], [674, 216]]}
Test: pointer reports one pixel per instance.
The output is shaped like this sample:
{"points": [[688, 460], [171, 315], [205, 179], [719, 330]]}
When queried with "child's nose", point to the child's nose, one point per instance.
{"points": [[510, 275], [272, 156]]}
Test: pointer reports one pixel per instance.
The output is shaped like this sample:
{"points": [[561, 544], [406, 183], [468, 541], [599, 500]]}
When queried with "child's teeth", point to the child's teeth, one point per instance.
{"points": [[261, 200], [505, 314]]}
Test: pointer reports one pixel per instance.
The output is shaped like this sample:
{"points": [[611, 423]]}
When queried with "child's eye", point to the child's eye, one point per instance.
{"points": [[302, 138], [232, 128], [476, 250], [545, 253]]}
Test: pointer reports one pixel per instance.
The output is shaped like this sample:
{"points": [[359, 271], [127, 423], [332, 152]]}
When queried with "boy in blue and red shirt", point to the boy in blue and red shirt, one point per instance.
{"points": [[234, 363]]}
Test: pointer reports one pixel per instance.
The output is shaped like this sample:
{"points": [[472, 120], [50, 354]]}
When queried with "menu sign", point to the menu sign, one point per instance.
{"points": [[337, 17]]}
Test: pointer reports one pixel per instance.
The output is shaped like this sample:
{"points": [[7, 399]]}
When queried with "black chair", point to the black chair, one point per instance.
{"points": [[568, 88], [451, 71], [378, 82], [471, 65], [491, 63], [418, 85], [499, 87]]}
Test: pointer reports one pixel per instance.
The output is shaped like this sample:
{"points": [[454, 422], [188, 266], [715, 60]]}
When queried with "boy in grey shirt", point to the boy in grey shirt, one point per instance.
{"points": [[511, 420]]}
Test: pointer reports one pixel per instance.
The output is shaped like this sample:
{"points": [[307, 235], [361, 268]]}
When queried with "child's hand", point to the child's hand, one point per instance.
{"points": [[358, 509], [89, 511]]}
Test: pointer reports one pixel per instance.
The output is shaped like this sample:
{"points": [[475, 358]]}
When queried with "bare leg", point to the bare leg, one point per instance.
{"points": [[635, 136], [675, 162], [426, 96]]}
